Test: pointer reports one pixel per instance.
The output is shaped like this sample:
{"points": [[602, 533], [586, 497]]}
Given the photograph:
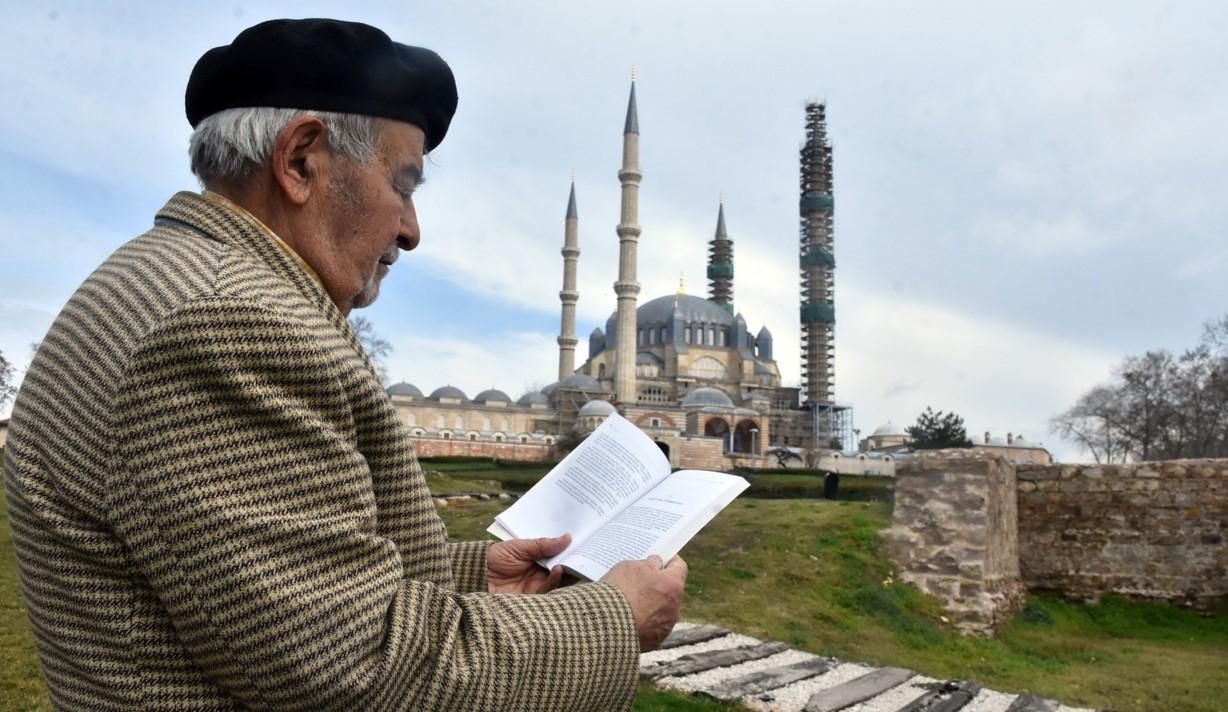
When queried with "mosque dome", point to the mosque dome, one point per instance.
{"points": [[580, 382], [692, 310], [448, 392], [707, 397], [532, 398], [888, 429], [595, 408], [404, 389], [997, 440], [491, 394], [764, 334], [550, 389]]}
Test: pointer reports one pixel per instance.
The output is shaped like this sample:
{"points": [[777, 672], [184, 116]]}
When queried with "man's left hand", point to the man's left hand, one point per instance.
{"points": [[511, 566]]}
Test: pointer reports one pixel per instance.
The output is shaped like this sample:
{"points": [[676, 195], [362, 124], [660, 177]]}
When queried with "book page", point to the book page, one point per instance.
{"points": [[612, 467], [661, 522]]}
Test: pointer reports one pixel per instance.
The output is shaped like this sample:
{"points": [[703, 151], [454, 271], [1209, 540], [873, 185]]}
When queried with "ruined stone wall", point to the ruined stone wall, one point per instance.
{"points": [[953, 534], [1156, 530]]}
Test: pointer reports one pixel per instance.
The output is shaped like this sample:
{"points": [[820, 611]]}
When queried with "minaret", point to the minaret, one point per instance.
{"points": [[817, 262], [720, 264], [627, 288], [569, 296]]}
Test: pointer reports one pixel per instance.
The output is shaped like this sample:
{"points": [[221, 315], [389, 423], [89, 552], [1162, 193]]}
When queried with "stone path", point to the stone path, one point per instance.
{"points": [[771, 677]]}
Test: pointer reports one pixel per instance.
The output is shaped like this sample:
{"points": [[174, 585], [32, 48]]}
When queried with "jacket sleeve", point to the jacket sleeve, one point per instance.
{"points": [[239, 490], [468, 565]]}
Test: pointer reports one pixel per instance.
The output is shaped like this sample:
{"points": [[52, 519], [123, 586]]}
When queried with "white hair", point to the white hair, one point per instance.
{"points": [[227, 147]]}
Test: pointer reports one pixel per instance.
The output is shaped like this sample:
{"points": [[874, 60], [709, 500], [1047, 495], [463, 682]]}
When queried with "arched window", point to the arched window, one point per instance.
{"points": [[503, 424], [686, 334], [663, 332], [652, 337], [485, 422], [711, 340], [411, 419], [707, 367], [640, 337], [458, 422], [441, 421]]}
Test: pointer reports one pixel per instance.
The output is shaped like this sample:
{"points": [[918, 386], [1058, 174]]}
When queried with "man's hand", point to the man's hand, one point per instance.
{"points": [[655, 595], [511, 566]]}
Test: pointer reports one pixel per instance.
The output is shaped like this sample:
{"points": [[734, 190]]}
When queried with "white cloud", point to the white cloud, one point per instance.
{"points": [[509, 361], [894, 358], [1069, 234]]}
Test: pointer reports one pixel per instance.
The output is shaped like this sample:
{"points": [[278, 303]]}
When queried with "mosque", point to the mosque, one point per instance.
{"points": [[687, 370]]}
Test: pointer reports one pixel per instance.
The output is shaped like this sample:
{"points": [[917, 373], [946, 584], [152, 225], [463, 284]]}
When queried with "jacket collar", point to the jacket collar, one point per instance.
{"points": [[216, 221]]}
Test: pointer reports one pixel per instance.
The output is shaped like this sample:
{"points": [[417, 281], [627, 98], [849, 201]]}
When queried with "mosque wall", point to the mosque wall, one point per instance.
{"points": [[507, 452]]}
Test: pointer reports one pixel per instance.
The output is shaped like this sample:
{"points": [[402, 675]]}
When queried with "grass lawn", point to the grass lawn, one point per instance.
{"points": [[812, 573]]}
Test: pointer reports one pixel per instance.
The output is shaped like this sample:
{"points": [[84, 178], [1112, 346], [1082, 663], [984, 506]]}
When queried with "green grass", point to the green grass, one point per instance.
{"points": [[21, 679], [812, 574]]}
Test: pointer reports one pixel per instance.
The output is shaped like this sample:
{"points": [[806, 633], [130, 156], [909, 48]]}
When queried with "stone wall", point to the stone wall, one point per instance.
{"points": [[511, 452], [1154, 530], [953, 534]]}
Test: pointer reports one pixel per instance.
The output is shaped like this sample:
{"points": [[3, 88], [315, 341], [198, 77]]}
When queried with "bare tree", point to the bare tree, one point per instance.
{"points": [[1158, 406], [7, 388], [377, 348]]}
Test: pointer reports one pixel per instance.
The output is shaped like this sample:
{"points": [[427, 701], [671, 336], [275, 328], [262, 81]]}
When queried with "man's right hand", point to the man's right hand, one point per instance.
{"points": [[655, 595]]}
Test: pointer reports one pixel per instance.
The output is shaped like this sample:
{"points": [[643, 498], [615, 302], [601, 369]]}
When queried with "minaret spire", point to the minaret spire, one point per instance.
{"points": [[569, 296], [817, 262], [720, 263], [627, 288]]}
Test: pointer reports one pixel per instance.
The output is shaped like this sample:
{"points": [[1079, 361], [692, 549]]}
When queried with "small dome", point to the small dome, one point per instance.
{"points": [[595, 408], [1020, 441], [707, 397], [404, 389], [997, 440], [597, 333], [535, 397], [580, 382], [888, 429], [764, 335], [550, 389], [448, 392], [648, 358], [492, 394]]}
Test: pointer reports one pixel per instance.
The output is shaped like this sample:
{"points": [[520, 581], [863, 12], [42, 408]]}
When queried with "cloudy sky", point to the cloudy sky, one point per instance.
{"points": [[1025, 192]]}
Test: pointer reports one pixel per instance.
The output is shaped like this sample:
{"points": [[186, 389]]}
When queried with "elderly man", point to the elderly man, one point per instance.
{"points": [[213, 503]]}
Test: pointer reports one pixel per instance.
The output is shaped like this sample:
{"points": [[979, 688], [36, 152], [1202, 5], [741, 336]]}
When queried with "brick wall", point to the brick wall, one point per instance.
{"points": [[512, 452], [1156, 530]]}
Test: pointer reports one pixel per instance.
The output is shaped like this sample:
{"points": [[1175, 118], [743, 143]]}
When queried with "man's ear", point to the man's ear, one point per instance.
{"points": [[300, 152]]}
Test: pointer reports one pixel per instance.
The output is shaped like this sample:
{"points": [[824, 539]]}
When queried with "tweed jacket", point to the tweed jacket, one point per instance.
{"points": [[214, 506]]}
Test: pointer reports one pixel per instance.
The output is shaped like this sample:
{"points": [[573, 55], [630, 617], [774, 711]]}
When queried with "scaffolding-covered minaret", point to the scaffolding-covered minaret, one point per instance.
{"points": [[627, 288], [569, 296], [818, 307], [720, 264]]}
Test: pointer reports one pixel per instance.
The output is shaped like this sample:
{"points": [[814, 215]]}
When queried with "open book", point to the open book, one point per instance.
{"points": [[614, 493]]}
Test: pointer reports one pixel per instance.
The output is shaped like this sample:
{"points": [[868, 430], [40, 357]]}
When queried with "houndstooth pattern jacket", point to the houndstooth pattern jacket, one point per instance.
{"points": [[214, 506]]}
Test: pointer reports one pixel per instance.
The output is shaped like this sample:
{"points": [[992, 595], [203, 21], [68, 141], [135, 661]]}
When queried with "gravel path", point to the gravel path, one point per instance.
{"points": [[895, 698], [990, 701], [792, 698], [711, 678], [733, 640]]}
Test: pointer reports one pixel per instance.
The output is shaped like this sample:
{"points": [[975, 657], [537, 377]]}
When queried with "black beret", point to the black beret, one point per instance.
{"points": [[325, 65]]}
